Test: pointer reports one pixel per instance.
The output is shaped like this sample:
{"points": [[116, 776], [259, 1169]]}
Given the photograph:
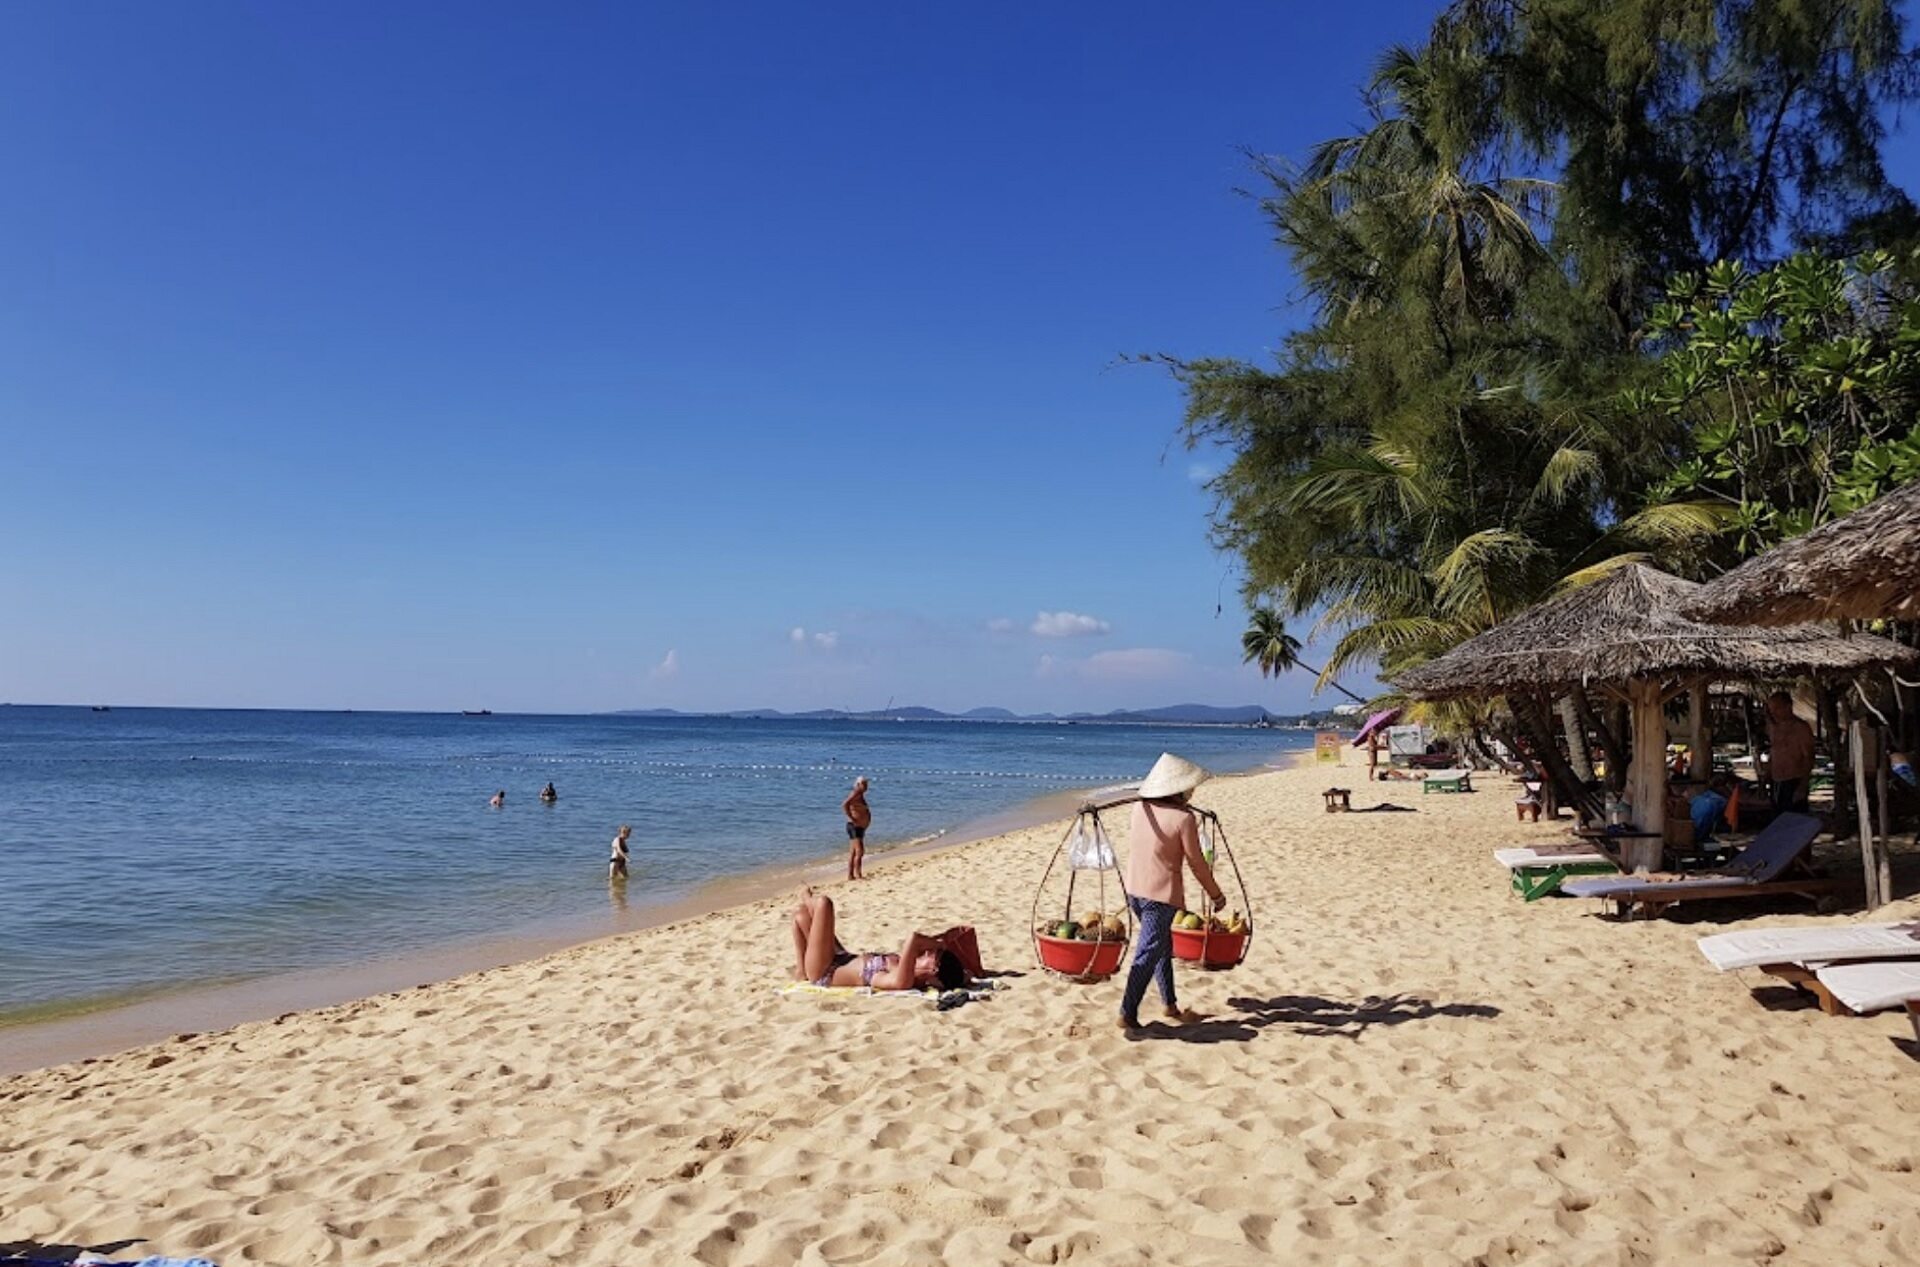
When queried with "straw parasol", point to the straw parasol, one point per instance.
{"points": [[1628, 632], [1864, 566]]}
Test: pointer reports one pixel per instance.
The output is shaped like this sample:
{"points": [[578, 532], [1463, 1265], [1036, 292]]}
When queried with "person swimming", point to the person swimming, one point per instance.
{"points": [[548, 795], [499, 799]]}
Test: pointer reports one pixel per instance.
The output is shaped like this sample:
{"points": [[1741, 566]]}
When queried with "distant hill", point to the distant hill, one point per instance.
{"points": [[1172, 715]]}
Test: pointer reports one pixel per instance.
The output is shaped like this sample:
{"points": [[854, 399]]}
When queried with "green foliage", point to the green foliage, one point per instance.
{"points": [[1267, 643], [1795, 388], [1442, 442]]}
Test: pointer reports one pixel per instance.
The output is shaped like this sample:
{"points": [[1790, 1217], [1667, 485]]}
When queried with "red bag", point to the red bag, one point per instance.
{"points": [[960, 939]]}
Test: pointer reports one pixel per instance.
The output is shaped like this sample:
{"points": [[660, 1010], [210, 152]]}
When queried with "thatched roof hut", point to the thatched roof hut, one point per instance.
{"points": [[1864, 566], [1631, 625], [1629, 632]]}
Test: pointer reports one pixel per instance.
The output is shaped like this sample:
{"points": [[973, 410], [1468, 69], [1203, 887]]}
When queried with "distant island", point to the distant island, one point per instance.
{"points": [[1172, 715]]}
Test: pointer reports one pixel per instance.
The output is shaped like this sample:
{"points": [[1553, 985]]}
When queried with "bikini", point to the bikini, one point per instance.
{"points": [[871, 966]]}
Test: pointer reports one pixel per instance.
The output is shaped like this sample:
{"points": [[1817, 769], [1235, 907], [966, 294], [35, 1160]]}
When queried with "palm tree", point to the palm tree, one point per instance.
{"points": [[1268, 643]]}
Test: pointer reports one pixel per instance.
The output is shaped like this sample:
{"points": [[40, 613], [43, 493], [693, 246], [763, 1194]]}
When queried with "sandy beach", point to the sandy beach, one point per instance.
{"points": [[1412, 1067]]}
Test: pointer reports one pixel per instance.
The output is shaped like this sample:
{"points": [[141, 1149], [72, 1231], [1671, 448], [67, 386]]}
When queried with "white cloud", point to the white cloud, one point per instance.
{"points": [[669, 667], [1200, 472], [1000, 625], [1045, 667], [825, 639], [1068, 625]]}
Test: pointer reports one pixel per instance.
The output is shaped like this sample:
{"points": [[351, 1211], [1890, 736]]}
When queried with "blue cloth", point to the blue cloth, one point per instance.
{"points": [[1152, 956], [1904, 772], [1707, 809]]}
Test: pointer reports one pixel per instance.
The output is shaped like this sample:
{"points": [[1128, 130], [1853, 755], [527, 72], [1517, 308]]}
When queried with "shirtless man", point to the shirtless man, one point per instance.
{"points": [[859, 818], [1789, 754]]}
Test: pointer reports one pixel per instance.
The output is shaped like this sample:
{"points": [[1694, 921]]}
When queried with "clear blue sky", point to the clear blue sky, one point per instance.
{"points": [[583, 357]]}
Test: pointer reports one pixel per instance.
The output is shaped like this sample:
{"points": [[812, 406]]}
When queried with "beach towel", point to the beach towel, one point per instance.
{"points": [[943, 1000]]}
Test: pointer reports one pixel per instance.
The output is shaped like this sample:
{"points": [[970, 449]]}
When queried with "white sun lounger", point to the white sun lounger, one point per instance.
{"points": [[1758, 947], [1871, 987], [1537, 870], [1522, 857]]}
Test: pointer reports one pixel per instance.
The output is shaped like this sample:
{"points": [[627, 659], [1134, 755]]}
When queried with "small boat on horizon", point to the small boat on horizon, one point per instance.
{"points": [[476, 712], [102, 708]]}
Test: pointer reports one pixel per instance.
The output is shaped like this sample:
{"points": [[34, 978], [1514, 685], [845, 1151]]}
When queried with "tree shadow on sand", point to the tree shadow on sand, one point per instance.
{"points": [[1312, 1016], [49, 1252]]}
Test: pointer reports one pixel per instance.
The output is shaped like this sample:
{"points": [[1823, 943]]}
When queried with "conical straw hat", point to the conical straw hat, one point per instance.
{"points": [[1171, 776]]}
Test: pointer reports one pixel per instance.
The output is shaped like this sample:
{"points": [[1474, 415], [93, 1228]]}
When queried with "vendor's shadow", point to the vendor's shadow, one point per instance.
{"points": [[47, 1251], [1312, 1016]]}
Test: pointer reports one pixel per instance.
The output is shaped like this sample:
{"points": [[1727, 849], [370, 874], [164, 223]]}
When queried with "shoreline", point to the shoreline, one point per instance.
{"points": [[93, 1032], [1405, 1061]]}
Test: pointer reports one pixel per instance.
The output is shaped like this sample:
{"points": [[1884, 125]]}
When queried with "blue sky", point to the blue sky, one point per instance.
{"points": [[600, 356]]}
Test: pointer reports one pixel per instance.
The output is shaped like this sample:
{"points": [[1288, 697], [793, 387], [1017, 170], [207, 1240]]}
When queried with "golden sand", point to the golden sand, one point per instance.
{"points": [[1412, 1067]]}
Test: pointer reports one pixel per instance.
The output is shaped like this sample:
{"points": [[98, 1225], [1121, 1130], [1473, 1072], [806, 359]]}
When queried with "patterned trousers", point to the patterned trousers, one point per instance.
{"points": [[1152, 956]]}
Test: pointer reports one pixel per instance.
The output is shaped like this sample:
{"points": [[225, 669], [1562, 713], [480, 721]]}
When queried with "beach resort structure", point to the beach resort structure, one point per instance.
{"points": [[1629, 636]]}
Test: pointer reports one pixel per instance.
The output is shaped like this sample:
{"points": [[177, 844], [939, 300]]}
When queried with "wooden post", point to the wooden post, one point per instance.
{"points": [[1883, 847], [1647, 776], [1699, 737], [1869, 864]]}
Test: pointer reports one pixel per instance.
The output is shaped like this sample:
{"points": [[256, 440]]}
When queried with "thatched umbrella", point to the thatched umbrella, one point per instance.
{"points": [[1864, 566], [1627, 633]]}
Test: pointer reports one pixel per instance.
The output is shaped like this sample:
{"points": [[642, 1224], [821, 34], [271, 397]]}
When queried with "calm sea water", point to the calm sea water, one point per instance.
{"points": [[151, 849]]}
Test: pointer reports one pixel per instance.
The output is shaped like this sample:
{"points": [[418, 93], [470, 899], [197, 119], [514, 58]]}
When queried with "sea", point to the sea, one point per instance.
{"points": [[147, 851]]}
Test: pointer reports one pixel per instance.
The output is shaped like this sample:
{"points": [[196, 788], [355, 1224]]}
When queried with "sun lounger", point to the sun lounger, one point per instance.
{"points": [[1773, 862], [1853, 989], [1871, 987], [1447, 781], [1758, 947], [1818, 961], [1537, 870]]}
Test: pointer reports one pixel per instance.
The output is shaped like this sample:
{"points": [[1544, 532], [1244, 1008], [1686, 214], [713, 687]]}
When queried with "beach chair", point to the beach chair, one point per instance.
{"points": [[1537, 870], [1447, 781], [1854, 989], [1775, 861], [1812, 960]]}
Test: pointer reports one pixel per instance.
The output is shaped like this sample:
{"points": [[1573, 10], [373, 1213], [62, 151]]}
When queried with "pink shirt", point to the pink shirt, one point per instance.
{"points": [[1160, 839]]}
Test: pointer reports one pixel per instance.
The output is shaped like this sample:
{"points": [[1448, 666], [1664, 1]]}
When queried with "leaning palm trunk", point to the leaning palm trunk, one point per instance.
{"points": [[1576, 733], [1534, 711]]}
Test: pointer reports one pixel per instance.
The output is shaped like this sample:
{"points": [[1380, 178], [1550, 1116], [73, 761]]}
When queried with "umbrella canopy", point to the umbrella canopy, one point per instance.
{"points": [[1385, 717], [1631, 625], [1863, 566]]}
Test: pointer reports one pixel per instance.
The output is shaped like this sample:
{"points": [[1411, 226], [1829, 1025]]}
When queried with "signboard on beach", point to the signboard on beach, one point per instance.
{"points": [[1406, 741], [1327, 746]]}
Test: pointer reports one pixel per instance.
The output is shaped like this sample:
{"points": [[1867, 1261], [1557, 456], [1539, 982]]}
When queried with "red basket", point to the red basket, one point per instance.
{"points": [[1080, 958], [1209, 950]]}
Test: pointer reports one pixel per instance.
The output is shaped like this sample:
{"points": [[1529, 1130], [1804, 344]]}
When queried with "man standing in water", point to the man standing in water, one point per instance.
{"points": [[859, 818]]}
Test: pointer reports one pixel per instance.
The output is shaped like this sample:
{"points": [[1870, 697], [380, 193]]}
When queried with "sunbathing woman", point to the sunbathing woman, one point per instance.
{"points": [[820, 958]]}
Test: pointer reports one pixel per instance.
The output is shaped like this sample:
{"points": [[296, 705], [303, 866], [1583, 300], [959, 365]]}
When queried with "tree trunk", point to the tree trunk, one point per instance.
{"points": [[1699, 735], [1869, 856], [1622, 725], [1576, 738], [1647, 782], [1830, 727], [1612, 742], [1534, 712]]}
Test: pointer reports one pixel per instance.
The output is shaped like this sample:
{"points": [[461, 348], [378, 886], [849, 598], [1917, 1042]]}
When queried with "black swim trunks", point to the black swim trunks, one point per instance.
{"points": [[856, 832]]}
